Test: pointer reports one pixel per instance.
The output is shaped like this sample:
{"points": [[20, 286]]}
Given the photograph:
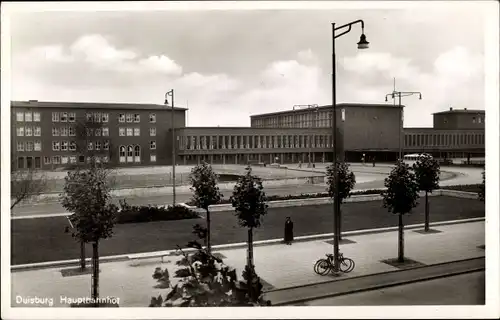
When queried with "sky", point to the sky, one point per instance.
{"points": [[226, 65]]}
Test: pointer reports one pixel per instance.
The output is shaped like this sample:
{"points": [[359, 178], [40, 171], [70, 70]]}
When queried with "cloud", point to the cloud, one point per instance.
{"points": [[366, 62], [162, 64]]}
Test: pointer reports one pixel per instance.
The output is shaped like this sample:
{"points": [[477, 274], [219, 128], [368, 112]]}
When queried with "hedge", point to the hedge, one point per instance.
{"points": [[464, 187], [135, 214]]}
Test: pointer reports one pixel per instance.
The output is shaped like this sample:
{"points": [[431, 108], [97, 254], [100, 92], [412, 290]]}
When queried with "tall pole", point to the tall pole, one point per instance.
{"points": [[335, 160], [400, 127], [310, 137], [173, 149]]}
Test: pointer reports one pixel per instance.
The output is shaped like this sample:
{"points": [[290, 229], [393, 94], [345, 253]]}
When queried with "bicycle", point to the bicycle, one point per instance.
{"points": [[323, 266]]}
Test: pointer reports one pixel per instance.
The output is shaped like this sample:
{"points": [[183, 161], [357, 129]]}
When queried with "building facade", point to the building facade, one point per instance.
{"points": [[44, 135]]}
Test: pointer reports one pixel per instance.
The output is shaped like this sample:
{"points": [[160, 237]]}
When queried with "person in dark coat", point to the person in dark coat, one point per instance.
{"points": [[288, 231]]}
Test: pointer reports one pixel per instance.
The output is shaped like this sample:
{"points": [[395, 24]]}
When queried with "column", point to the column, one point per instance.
{"points": [[223, 146], [223, 159], [293, 157], [211, 159], [281, 158], [270, 158], [260, 158], [323, 157]]}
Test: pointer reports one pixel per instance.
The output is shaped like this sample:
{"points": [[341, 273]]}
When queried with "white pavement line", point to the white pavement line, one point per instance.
{"points": [[37, 216], [315, 237]]}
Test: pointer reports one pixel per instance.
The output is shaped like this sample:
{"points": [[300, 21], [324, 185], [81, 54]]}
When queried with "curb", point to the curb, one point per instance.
{"points": [[230, 246], [380, 286]]}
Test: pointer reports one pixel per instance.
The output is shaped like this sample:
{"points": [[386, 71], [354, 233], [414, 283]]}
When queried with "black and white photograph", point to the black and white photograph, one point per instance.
{"points": [[252, 159]]}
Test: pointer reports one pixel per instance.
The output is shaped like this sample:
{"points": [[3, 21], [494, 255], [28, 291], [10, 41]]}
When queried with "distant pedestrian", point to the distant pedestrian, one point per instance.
{"points": [[300, 164], [374, 161], [288, 231]]}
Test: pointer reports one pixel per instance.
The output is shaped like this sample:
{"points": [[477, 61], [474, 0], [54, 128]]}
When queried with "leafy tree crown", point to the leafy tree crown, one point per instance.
{"points": [[347, 180], [249, 200], [427, 173], [204, 185], [402, 190]]}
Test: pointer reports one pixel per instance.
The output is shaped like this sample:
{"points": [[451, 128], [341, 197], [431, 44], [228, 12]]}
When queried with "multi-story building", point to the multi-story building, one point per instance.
{"points": [[44, 134], [459, 119]]}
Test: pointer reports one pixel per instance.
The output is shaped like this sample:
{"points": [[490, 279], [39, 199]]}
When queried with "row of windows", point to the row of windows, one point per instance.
{"points": [[96, 117], [73, 159], [28, 116], [321, 119], [71, 145], [132, 154], [29, 145], [254, 142], [63, 116], [454, 139], [28, 131]]}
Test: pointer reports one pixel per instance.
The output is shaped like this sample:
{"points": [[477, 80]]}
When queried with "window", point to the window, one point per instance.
{"points": [[137, 132], [122, 154], [55, 116], [121, 117], [56, 159], [152, 145], [71, 117], [55, 132], [64, 146], [71, 131], [29, 131], [105, 145], [98, 145], [19, 116], [46, 160], [137, 154], [29, 146], [152, 118], [72, 146], [473, 119], [37, 132], [90, 132], [137, 117], [20, 146], [90, 146], [28, 116], [152, 158], [64, 131], [88, 116], [479, 120], [130, 154], [72, 159], [38, 146], [20, 162], [105, 132], [129, 117], [64, 160], [56, 146], [64, 117], [105, 117], [36, 116], [129, 132], [97, 132], [38, 162], [20, 131], [97, 117], [152, 132], [121, 132], [81, 159]]}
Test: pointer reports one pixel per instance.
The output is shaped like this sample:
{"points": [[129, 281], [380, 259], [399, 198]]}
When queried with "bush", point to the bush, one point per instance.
{"points": [[135, 214]]}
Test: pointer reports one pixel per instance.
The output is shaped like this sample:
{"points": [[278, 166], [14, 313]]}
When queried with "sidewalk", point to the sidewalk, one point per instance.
{"points": [[280, 266]]}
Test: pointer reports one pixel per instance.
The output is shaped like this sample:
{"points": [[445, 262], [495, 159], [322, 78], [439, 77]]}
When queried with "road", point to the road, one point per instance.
{"points": [[55, 207], [43, 239], [464, 289]]}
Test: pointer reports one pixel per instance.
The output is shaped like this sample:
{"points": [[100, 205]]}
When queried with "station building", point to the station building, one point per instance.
{"points": [[43, 135]]}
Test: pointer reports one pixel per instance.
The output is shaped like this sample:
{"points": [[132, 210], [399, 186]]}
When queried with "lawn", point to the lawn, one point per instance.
{"points": [[43, 239]]}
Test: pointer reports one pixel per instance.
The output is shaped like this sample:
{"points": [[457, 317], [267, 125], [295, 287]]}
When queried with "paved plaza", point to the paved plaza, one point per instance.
{"points": [[279, 265]]}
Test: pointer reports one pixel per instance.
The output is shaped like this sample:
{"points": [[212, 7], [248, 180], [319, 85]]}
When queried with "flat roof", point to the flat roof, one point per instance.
{"points": [[339, 105], [461, 111], [91, 105]]}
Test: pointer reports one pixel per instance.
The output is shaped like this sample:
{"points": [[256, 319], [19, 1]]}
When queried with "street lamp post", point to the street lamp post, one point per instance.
{"points": [[362, 44], [309, 107], [401, 94], [171, 94]]}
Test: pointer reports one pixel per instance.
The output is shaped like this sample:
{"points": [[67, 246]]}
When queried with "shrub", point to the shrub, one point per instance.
{"points": [[135, 214]]}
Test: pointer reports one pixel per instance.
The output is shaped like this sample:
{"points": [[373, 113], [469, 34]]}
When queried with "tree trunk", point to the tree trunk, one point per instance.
{"points": [[401, 240], [250, 280], [340, 224], [426, 212], [209, 248], [82, 256], [95, 272]]}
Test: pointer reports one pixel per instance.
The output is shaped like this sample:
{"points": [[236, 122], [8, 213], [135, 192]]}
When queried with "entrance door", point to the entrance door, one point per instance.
{"points": [[38, 162], [29, 162]]}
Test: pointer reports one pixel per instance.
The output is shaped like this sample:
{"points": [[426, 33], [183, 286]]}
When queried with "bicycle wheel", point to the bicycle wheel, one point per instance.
{"points": [[322, 267], [346, 265]]}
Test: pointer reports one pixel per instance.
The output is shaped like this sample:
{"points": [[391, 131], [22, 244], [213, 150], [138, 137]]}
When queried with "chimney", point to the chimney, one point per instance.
{"points": [[465, 108], [451, 109]]}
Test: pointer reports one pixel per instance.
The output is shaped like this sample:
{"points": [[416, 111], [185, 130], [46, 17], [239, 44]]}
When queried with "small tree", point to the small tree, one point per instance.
{"points": [[482, 188], [347, 181], [204, 282], [87, 195], [249, 202], [206, 192], [400, 197], [25, 184], [427, 173]]}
